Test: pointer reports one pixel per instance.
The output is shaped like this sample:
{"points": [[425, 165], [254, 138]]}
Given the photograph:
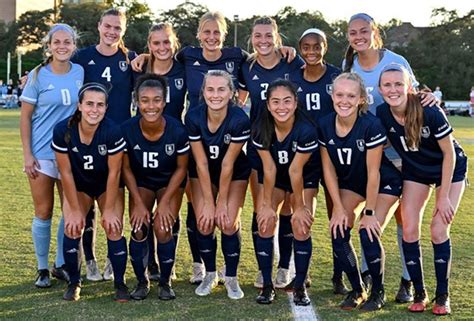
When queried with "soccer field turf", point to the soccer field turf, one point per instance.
{"points": [[19, 299]]}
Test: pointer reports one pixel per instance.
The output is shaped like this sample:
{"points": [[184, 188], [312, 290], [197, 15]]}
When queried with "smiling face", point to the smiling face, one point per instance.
{"points": [[62, 45], [217, 92], [346, 96], [282, 104], [151, 103], [264, 39], [313, 49], [211, 36], [361, 35], [161, 44], [394, 87], [111, 30], [92, 107]]}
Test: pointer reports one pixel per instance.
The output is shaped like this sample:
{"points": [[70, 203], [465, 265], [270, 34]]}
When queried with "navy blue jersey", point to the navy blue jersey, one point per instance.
{"points": [[315, 97], [426, 161], [349, 154], [197, 66], [154, 162], [234, 129], [303, 138], [255, 79], [112, 71], [177, 89], [89, 162]]}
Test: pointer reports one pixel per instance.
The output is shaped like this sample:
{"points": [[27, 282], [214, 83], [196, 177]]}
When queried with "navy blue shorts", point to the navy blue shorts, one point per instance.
{"points": [[241, 171], [254, 158], [92, 191], [391, 181], [155, 187], [311, 179]]}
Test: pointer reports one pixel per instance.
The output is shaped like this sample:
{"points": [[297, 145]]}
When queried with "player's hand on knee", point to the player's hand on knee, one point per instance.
{"points": [[112, 223], [302, 219]]}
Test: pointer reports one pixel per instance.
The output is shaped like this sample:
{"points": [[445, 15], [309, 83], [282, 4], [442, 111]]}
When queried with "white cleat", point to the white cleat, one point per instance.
{"points": [[282, 278], [259, 280], [108, 270], [92, 271], [208, 283], [221, 275], [198, 273], [233, 288]]}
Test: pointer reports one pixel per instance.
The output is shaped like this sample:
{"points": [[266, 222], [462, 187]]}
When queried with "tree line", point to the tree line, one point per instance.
{"points": [[440, 56]]}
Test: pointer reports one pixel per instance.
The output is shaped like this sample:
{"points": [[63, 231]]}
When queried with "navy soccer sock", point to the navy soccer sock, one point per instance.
{"points": [[139, 258], [207, 248], [151, 240], [303, 251], [166, 256], [442, 262], [72, 258], [264, 249], [375, 258], [231, 249], [88, 238], [191, 227], [117, 253], [285, 241], [414, 264]]}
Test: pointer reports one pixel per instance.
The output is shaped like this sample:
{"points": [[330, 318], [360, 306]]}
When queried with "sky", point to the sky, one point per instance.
{"points": [[418, 12]]}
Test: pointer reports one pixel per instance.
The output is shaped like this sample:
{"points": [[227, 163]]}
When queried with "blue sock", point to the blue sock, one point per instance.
{"points": [[442, 262], [139, 258], [231, 249], [285, 241], [151, 240], [336, 265], [405, 274], [375, 256], [191, 227], [264, 249], [176, 229], [41, 232], [72, 258], [166, 252], [207, 248], [363, 263], [303, 251], [117, 253], [59, 243], [88, 237], [345, 253], [414, 264]]}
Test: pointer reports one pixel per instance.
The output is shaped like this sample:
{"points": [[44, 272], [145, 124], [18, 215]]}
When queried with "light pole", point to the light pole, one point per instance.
{"points": [[236, 20]]}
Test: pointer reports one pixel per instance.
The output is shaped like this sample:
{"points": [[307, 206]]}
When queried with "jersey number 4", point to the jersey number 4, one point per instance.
{"points": [[106, 74]]}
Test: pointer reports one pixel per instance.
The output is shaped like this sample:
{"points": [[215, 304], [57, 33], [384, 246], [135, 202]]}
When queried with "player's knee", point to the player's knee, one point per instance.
{"points": [[411, 233], [141, 234], [439, 232]]}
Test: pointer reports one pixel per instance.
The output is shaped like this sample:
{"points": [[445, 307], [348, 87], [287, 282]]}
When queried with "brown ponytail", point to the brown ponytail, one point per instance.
{"points": [[413, 120]]}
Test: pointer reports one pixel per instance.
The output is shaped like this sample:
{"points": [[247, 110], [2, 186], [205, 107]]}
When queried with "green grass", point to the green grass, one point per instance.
{"points": [[19, 299]]}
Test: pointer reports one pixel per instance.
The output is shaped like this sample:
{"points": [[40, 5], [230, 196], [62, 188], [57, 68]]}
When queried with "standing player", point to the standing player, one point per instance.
{"points": [[107, 63], [430, 155], [49, 96], [154, 169], [89, 149], [219, 174], [287, 144], [352, 151]]}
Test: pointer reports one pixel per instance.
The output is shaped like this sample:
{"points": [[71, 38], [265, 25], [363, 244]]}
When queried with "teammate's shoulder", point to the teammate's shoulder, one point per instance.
{"points": [[131, 122], [332, 70], [327, 120], [382, 109]]}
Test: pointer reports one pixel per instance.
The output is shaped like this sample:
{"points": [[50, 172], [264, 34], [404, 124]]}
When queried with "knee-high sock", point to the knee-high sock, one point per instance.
{"points": [[231, 249], [166, 257], [337, 269], [363, 263], [414, 263], [191, 227], [264, 249], [285, 241], [345, 253], [72, 258], [405, 273], [59, 243], [375, 258], [117, 253], [303, 251], [89, 236], [139, 258], [442, 262], [207, 248], [151, 240], [41, 232]]}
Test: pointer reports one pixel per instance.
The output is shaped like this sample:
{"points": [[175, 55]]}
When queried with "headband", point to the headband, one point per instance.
{"points": [[362, 16], [315, 31]]}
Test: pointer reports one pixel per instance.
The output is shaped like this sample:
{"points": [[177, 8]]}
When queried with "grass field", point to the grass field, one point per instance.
{"points": [[20, 300]]}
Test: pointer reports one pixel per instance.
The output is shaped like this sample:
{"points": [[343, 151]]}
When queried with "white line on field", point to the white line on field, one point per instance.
{"points": [[300, 313]]}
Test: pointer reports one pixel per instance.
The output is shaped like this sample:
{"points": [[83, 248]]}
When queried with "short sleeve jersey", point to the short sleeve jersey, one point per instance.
{"points": [[89, 162], [115, 73], [55, 98], [154, 162]]}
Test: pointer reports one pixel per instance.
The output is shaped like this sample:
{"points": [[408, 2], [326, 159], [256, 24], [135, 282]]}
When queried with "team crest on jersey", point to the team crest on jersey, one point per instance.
{"points": [[227, 138], [360, 144], [294, 145], [79, 83], [102, 149], [123, 65], [229, 66], [179, 83], [287, 76], [169, 149], [329, 89], [425, 132]]}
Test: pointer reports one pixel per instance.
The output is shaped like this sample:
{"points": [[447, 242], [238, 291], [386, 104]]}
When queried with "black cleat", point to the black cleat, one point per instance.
{"points": [[121, 293], [153, 272], [60, 273], [166, 292], [353, 299], [73, 292], [376, 301], [367, 280], [300, 297], [338, 286], [42, 280], [291, 286], [267, 294], [141, 290], [405, 292]]}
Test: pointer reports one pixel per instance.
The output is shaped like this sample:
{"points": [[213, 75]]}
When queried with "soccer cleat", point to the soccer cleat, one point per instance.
{"points": [[338, 286], [43, 280], [353, 300], [173, 275], [108, 271], [166, 292], [153, 271], [442, 305], [92, 271], [420, 301], [198, 273], [282, 278], [73, 292], [208, 283], [300, 297], [405, 292], [291, 286], [233, 288], [121, 293], [221, 275], [141, 290], [258, 281], [267, 295], [60, 273], [367, 281], [376, 301]]}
